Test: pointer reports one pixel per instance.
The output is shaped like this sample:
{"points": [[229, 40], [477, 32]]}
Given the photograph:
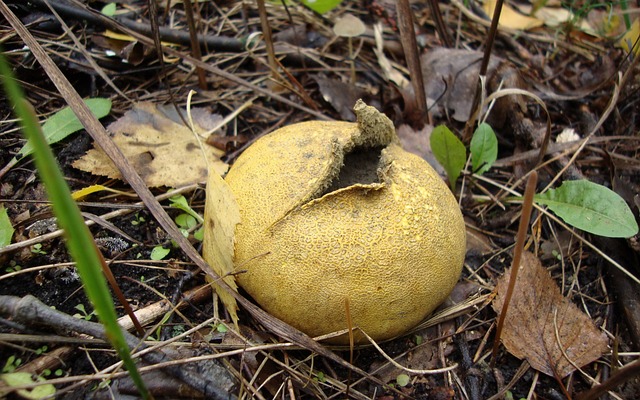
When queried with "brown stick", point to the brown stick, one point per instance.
{"points": [[195, 46], [624, 374], [441, 28], [410, 46], [491, 38]]}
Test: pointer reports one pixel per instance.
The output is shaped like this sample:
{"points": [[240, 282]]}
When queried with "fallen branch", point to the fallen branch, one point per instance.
{"points": [[30, 311]]}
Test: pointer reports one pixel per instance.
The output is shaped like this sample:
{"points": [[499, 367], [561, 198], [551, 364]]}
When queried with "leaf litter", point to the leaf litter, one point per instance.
{"points": [[160, 147], [551, 67], [544, 327]]}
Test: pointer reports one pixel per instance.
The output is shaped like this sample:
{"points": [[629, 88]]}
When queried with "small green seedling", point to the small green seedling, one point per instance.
{"points": [[452, 155], [159, 253], [37, 249], [109, 9], [12, 364], [582, 204], [180, 202], [187, 221], [47, 373], [18, 379], [449, 151], [403, 380], [13, 267], [137, 220], [320, 377], [83, 314]]}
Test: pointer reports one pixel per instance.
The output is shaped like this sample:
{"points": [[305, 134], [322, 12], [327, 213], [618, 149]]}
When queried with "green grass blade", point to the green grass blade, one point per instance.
{"points": [[79, 241]]}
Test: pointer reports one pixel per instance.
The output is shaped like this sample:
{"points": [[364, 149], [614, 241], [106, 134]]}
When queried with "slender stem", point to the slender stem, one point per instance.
{"points": [[441, 28], [268, 40], [491, 38], [410, 46], [195, 45], [523, 228]]}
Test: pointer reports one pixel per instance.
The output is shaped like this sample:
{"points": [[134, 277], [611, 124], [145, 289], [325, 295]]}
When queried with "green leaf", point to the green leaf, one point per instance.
{"points": [[26, 378], [591, 207], [109, 9], [403, 380], [6, 230], [64, 122], [199, 234], [484, 148], [180, 202], [159, 252], [186, 221], [449, 151], [321, 6]]}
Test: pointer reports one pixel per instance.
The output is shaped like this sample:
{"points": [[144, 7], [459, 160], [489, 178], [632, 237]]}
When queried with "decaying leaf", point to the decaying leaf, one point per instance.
{"points": [[451, 79], [342, 96], [629, 39], [221, 215], [163, 151], [545, 327], [390, 72], [510, 18], [417, 142]]}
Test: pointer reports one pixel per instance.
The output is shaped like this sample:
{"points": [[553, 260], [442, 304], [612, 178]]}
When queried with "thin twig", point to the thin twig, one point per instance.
{"points": [[195, 45]]}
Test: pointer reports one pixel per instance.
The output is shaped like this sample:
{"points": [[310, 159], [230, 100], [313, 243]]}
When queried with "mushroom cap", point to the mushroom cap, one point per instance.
{"points": [[349, 26], [312, 241]]}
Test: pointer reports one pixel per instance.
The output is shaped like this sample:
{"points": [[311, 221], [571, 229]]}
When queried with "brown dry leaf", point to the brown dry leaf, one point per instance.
{"points": [[164, 152], [221, 215], [451, 79], [417, 142], [342, 96], [537, 310]]}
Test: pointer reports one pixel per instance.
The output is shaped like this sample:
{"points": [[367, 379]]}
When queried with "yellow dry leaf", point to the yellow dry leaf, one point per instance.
{"points": [[84, 192], [630, 38], [510, 18], [164, 152], [221, 215]]}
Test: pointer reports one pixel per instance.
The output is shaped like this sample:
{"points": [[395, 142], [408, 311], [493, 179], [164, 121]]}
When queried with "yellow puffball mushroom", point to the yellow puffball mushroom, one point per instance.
{"points": [[336, 213]]}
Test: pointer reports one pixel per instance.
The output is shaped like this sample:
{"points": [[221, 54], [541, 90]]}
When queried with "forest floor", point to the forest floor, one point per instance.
{"points": [[576, 324]]}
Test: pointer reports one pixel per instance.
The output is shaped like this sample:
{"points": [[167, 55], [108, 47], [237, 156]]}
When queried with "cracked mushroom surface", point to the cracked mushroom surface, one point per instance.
{"points": [[336, 214]]}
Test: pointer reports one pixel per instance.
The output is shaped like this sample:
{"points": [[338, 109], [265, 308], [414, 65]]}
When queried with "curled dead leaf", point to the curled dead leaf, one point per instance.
{"points": [[221, 215], [545, 327]]}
